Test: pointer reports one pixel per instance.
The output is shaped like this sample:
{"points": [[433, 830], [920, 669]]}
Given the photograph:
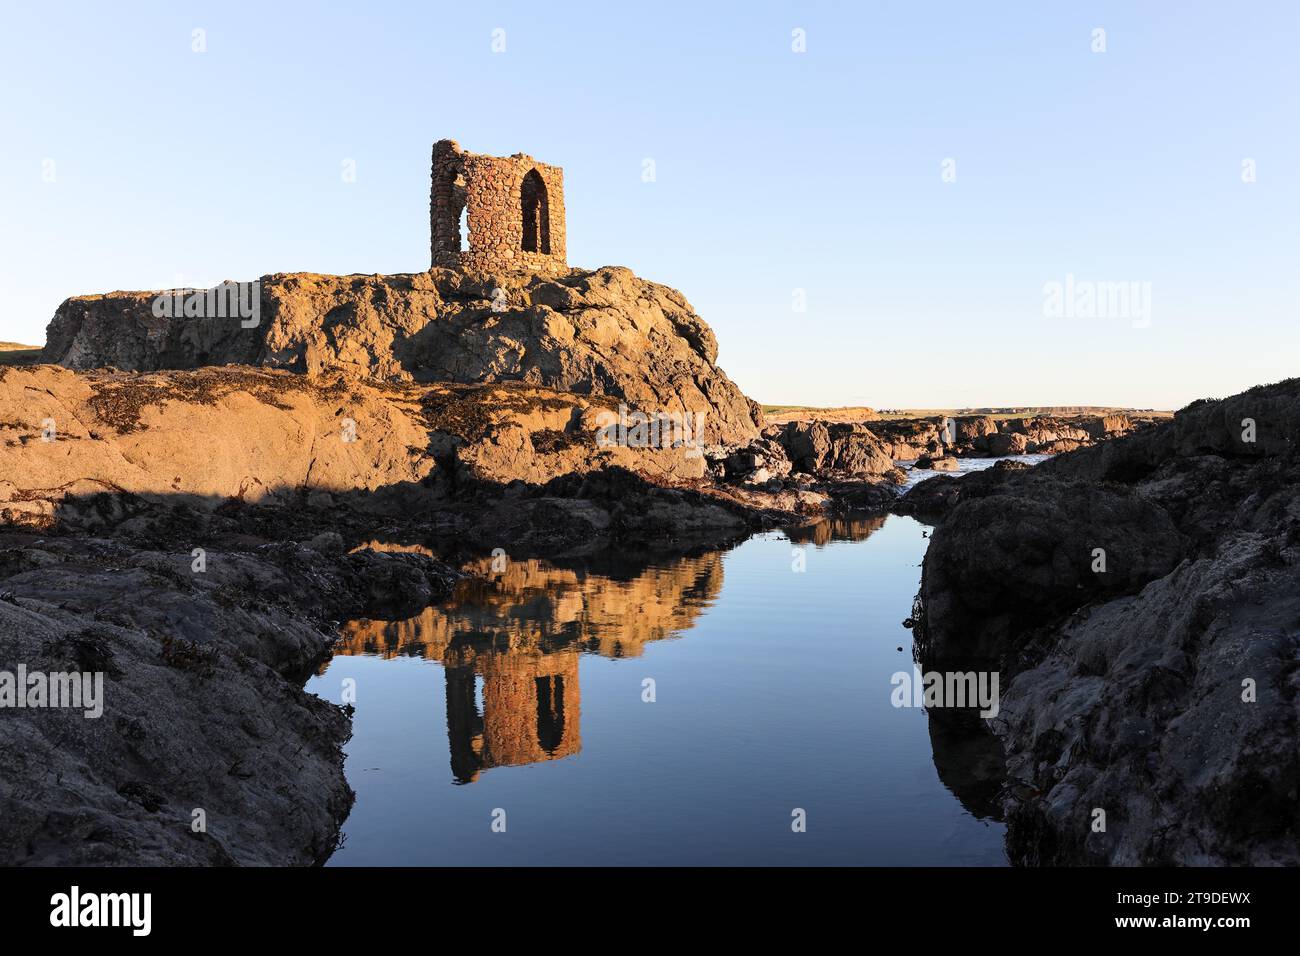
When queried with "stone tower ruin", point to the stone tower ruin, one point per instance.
{"points": [[513, 207]]}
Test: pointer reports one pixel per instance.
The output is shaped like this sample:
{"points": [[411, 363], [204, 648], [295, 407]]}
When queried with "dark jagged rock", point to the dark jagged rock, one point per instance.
{"points": [[1017, 552], [931, 499], [202, 706], [816, 447], [1164, 691]]}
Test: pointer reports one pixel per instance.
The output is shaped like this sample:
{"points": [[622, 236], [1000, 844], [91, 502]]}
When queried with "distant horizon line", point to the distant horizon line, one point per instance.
{"points": [[916, 410], [1000, 409]]}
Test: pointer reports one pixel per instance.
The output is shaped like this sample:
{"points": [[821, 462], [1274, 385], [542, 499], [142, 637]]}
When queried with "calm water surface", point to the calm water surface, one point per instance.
{"points": [[524, 693]]}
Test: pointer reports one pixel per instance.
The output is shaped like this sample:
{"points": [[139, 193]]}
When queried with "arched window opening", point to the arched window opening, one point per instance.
{"points": [[536, 214], [550, 712], [459, 211]]}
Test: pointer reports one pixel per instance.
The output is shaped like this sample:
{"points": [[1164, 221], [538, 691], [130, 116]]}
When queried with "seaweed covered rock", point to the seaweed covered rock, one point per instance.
{"points": [[72, 443]]}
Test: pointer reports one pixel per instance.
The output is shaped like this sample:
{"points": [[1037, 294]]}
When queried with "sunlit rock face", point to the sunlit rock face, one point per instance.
{"points": [[213, 435], [510, 637], [602, 333]]}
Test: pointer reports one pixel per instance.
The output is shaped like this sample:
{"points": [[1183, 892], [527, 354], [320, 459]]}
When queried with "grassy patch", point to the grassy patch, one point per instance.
{"points": [[14, 354]]}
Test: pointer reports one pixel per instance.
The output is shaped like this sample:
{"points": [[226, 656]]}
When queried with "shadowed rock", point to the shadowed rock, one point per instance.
{"points": [[1165, 690], [202, 706]]}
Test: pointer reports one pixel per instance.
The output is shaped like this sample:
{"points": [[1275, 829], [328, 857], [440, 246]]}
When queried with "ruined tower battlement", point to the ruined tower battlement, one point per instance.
{"points": [[513, 207]]}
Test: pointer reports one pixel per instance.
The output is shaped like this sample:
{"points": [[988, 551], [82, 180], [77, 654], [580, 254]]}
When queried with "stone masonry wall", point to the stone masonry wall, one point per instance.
{"points": [[503, 195]]}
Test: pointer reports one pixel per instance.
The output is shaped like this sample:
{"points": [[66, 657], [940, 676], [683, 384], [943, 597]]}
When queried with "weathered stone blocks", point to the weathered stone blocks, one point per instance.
{"points": [[514, 212]]}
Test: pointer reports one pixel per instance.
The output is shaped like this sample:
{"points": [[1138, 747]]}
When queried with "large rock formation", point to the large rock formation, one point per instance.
{"points": [[604, 333], [906, 439], [1019, 549], [202, 716], [485, 463], [208, 436], [816, 448], [1143, 598]]}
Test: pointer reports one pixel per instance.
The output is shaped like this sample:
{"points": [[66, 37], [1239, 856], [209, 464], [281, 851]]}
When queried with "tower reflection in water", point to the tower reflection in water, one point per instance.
{"points": [[531, 712], [509, 643], [783, 688]]}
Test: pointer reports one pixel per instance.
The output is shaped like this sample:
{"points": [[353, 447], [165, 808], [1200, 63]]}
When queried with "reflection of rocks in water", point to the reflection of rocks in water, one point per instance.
{"points": [[967, 754], [534, 605], [514, 637], [836, 529], [969, 760]]}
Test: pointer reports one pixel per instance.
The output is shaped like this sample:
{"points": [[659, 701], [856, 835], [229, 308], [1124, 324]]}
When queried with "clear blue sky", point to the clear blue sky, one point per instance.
{"points": [[775, 171]]}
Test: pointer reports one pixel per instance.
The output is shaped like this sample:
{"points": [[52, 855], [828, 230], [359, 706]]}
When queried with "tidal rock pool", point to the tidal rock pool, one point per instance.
{"points": [[729, 707]]}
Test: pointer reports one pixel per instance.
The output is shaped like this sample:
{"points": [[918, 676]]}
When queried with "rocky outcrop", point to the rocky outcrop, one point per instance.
{"points": [[205, 751], [1018, 551], [1141, 601], [233, 449], [809, 468], [815, 448], [213, 435], [483, 464], [800, 450], [906, 439], [757, 463], [601, 334], [931, 499], [1107, 426], [1008, 443], [979, 436], [942, 463], [1059, 446], [974, 429]]}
